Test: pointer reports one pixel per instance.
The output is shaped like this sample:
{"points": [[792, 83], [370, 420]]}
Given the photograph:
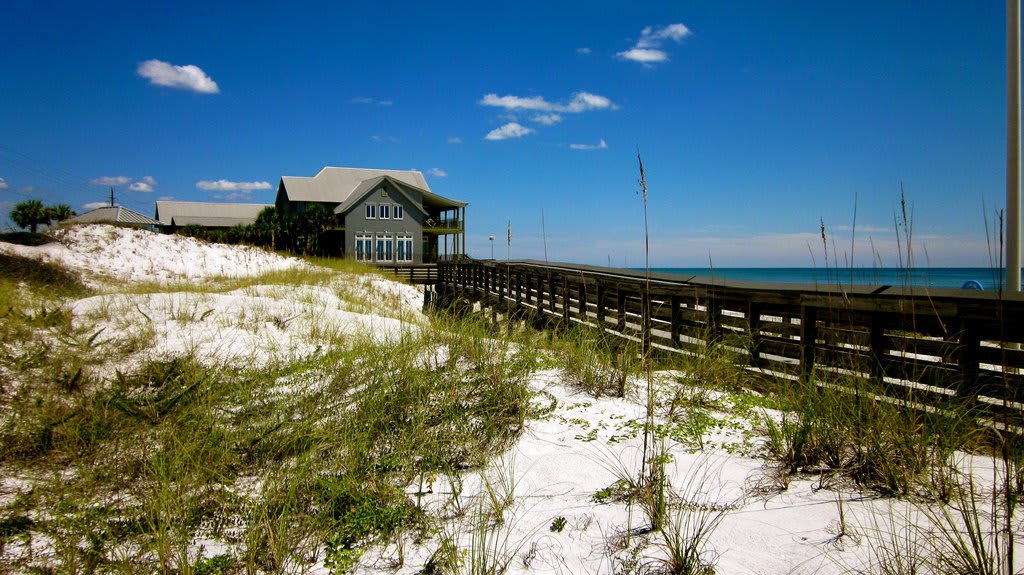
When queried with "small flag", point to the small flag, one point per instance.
{"points": [[510, 232]]}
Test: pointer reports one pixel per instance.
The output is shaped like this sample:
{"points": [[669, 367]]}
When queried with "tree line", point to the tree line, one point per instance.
{"points": [[31, 214], [300, 233]]}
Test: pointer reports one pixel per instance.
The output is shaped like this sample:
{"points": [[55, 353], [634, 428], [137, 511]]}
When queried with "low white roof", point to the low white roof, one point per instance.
{"points": [[113, 214], [208, 214]]}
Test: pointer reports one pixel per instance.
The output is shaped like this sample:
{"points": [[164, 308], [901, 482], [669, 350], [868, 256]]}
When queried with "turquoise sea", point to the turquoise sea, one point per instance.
{"points": [[988, 278]]}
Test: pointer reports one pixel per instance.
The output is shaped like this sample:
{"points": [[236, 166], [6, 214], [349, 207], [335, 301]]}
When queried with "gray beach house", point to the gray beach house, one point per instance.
{"points": [[381, 216]]}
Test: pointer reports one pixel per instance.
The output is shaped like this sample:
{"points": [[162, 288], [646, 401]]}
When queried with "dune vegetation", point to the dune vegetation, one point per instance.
{"points": [[288, 416]]}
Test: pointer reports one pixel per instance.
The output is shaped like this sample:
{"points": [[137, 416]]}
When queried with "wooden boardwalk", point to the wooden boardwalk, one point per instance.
{"points": [[929, 347]]}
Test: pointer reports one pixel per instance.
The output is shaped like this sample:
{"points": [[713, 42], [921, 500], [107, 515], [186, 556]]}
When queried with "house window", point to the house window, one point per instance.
{"points": [[385, 211], [403, 248], [371, 211], [364, 248], [399, 212], [385, 245]]}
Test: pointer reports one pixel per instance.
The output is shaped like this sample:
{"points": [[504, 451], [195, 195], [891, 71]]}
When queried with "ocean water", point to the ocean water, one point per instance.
{"points": [[988, 278]]}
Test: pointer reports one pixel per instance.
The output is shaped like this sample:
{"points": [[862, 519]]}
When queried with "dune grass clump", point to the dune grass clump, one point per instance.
{"points": [[596, 362], [43, 277], [299, 462]]}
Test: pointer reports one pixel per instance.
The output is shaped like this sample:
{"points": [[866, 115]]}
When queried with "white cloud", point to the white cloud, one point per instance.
{"points": [[644, 55], [649, 37], [599, 146], [437, 172], [187, 77], [229, 186], [509, 130], [581, 102], [454, 140], [362, 100], [146, 184], [547, 119], [234, 196], [95, 205], [110, 181], [165, 198], [3, 184], [516, 103], [647, 49], [583, 50]]}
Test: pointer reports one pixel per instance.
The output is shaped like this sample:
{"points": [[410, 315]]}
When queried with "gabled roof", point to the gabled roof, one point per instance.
{"points": [[207, 214], [340, 185], [114, 214], [368, 186]]}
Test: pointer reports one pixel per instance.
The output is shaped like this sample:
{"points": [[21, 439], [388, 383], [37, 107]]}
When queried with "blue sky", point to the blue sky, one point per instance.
{"points": [[756, 120]]}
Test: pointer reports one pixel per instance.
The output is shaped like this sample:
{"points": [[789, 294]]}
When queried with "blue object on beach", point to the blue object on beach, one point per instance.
{"points": [[972, 284]]}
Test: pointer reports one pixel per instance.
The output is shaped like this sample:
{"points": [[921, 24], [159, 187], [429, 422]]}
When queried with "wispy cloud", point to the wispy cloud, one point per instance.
{"points": [[580, 102], [454, 140], [586, 147], [110, 181], [3, 184], [95, 205], [229, 186], [380, 138], [508, 131], [649, 48], [234, 196], [547, 119], [146, 184], [188, 77], [583, 50], [365, 101], [438, 172]]}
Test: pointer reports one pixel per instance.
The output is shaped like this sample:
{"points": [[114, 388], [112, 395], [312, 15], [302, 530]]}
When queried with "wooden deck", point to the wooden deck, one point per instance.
{"points": [[928, 347]]}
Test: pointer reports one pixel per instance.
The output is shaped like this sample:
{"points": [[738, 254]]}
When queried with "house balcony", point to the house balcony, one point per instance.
{"points": [[440, 225]]}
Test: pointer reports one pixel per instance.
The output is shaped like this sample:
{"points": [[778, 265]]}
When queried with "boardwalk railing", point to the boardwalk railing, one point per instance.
{"points": [[420, 274], [925, 345]]}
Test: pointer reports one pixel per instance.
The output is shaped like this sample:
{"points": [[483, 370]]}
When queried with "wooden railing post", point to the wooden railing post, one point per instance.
{"points": [[519, 288], [620, 310], [599, 300], [581, 301], [676, 327], [565, 299], [808, 341], [713, 311], [551, 293], [968, 357], [876, 337], [754, 331]]}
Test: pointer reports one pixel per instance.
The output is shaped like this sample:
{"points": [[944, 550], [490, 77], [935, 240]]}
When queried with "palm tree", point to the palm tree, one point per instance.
{"points": [[268, 225], [61, 212], [29, 214], [316, 220]]}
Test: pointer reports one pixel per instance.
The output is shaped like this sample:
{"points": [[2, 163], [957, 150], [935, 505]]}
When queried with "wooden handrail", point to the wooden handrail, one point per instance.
{"points": [[923, 345]]}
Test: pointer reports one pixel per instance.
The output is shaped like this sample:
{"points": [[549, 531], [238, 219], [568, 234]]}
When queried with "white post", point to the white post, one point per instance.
{"points": [[1013, 230]]}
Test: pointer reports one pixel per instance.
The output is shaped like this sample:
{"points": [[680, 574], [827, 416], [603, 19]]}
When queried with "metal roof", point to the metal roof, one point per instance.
{"points": [[114, 214], [339, 185], [207, 214]]}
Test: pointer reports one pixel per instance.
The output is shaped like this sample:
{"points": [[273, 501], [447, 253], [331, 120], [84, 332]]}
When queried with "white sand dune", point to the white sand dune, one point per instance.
{"points": [[582, 446]]}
